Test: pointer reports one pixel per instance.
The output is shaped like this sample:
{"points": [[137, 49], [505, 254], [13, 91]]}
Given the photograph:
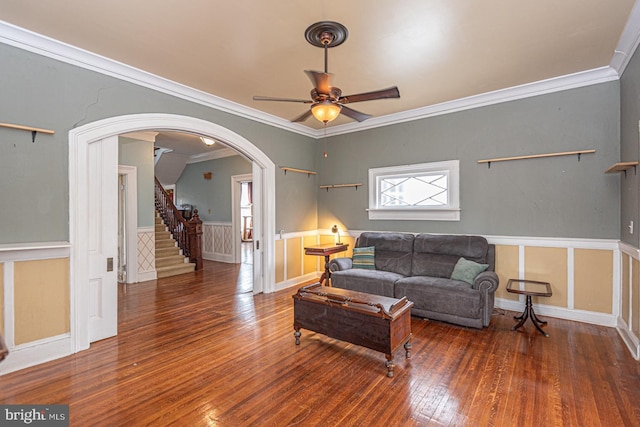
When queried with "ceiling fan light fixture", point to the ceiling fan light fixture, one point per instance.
{"points": [[207, 141], [325, 111]]}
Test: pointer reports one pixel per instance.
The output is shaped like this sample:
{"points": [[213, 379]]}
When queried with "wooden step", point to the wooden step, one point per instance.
{"points": [[164, 252], [175, 270], [169, 258], [168, 243], [166, 261], [163, 235]]}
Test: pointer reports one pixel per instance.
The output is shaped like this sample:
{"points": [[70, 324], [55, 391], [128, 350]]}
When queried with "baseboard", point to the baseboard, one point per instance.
{"points": [[561, 313], [35, 353], [143, 276], [297, 280], [632, 342], [213, 256]]}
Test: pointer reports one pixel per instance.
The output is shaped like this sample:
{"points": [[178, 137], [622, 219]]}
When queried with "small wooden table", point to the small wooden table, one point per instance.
{"points": [[379, 323], [326, 250], [531, 288]]}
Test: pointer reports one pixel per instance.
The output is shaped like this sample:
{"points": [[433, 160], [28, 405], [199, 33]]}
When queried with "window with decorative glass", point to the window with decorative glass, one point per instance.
{"points": [[425, 191]]}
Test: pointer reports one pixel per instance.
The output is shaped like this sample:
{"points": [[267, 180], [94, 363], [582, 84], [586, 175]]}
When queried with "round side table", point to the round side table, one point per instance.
{"points": [[530, 288]]}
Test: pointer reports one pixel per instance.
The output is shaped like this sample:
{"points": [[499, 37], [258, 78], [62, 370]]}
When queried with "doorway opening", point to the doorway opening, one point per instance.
{"points": [[263, 173], [127, 224], [243, 215], [246, 211]]}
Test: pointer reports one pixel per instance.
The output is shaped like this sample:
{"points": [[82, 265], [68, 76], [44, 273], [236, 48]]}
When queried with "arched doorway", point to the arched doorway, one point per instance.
{"points": [[79, 140]]}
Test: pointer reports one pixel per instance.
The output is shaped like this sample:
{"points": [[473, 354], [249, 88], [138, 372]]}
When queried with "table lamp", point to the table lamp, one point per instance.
{"points": [[335, 230]]}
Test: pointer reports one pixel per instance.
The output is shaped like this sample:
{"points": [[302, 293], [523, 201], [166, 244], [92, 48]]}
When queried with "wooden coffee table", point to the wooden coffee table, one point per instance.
{"points": [[379, 323]]}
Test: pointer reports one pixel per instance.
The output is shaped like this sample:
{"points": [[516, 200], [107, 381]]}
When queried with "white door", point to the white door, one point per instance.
{"points": [[102, 214]]}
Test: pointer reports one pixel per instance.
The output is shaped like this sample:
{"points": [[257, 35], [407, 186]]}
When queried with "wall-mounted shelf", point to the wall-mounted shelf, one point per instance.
{"points": [[538, 156], [622, 167], [285, 169], [327, 187], [33, 130]]}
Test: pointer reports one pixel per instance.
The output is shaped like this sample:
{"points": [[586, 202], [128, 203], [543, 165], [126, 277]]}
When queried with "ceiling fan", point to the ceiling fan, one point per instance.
{"points": [[327, 102]]}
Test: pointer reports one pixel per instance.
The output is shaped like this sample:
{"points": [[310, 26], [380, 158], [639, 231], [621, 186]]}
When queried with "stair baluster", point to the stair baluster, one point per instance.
{"points": [[188, 234]]}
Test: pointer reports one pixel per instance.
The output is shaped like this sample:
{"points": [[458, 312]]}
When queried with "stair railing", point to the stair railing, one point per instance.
{"points": [[188, 234]]}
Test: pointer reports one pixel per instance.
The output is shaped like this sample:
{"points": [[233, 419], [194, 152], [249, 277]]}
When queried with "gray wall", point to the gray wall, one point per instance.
{"points": [[556, 197], [552, 197], [212, 197], [132, 152], [46, 93], [630, 149]]}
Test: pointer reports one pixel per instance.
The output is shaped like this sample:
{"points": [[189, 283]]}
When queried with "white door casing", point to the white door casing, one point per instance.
{"points": [[258, 235], [79, 140]]}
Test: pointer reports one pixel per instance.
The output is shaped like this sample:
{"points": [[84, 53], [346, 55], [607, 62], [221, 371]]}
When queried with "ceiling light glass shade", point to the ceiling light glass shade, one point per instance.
{"points": [[325, 111], [207, 141]]}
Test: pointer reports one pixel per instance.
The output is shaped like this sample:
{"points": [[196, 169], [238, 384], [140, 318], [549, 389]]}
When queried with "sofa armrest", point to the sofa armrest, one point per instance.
{"points": [[486, 281], [340, 264]]}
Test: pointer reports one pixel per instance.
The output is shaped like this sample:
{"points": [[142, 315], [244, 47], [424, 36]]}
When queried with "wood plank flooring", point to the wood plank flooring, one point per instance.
{"points": [[201, 350]]}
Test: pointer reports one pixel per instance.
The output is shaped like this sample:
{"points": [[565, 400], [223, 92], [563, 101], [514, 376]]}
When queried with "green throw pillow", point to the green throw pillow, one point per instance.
{"points": [[467, 271], [364, 258]]}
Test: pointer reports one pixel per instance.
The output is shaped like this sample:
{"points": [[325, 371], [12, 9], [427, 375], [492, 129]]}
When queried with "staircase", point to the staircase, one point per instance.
{"points": [[169, 258]]}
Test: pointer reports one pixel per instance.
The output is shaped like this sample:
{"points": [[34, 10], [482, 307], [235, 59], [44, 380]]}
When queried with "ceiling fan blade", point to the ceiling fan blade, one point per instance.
{"points": [[391, 92], [271, 98], [320, 81], [355, 115], [304, 116]]}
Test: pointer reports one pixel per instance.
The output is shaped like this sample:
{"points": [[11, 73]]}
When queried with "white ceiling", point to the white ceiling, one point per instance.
{"points": [[435, 51]]}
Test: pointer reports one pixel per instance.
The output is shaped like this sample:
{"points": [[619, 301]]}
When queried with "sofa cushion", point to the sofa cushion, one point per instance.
{"points": [[436, 255], [439, 295], [364, 257], [467, 271], [393, 250], [369, 281]]}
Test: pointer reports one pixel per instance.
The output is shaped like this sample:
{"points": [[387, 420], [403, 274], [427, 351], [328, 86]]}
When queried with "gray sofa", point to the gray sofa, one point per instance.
{"points": [[420, 268]]}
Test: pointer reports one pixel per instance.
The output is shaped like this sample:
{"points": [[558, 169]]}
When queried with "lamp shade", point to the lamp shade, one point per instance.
{"points": [[325, 111]]}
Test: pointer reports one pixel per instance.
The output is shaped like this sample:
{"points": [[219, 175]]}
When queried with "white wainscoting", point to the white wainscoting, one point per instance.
{"points": [[569, 313], [40, 351], [623, 325], [217, 241], [146, 254], [290, 282]]}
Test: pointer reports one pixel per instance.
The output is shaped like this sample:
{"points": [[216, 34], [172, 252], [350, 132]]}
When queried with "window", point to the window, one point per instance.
{"points": [[426, 191]]}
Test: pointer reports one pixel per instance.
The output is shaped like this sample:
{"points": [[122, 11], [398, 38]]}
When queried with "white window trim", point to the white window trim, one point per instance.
{"points": [[451, 212]]}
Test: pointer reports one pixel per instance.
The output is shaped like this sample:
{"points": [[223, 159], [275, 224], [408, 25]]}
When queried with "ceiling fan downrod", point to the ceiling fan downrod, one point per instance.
{"points": [[326, 38]]}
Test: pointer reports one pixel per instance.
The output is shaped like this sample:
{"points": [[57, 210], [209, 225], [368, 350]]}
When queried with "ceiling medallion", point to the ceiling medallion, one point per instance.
{"points": [[327, 33]]}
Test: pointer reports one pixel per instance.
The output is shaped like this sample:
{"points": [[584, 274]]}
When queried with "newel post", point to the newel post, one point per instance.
{"points": [[195, 240]]}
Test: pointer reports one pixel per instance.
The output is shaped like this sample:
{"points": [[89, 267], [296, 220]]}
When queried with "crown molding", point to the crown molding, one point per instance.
{"points": [[32, 42], [629, 40], [36, 43], [556, 84], [149, 136], [212, 155]]}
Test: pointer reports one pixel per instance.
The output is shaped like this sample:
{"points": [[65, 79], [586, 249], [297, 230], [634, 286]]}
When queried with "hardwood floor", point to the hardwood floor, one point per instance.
{"points": [[200, 349]]}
